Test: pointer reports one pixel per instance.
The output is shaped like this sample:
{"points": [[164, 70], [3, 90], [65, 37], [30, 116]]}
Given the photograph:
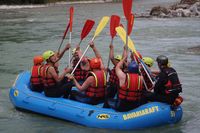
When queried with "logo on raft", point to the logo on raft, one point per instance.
{"points": [[16, 93], [103, 116], [141, 113]]}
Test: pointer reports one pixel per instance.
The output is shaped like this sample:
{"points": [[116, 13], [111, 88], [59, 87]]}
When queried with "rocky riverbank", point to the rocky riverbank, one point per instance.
{"points": [[185, 8]]}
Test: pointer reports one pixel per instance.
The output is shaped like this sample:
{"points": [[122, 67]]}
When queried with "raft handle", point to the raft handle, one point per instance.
{"points": [[52, 107]]}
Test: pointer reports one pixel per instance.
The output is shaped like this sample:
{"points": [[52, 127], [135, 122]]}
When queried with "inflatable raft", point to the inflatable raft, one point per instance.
{"points": [[148, 115]]}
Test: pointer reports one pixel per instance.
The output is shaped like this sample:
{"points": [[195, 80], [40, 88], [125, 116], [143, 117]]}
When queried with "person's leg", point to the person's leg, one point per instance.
{"points": [[64, 88], [112, 103], [51, 91], [78, 96], [159, 98], [37, 88], [117, 104], [111, 91], [124, 105]]}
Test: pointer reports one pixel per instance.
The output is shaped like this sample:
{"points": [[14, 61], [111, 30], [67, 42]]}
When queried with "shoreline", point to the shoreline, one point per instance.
{"points": [[7, 7]]}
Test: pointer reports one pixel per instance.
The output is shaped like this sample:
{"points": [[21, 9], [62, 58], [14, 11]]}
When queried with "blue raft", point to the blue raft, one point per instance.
{"points": [[148, 115]]}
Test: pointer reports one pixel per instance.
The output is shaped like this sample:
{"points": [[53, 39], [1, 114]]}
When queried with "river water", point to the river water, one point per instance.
{"points": [[25, 32]]}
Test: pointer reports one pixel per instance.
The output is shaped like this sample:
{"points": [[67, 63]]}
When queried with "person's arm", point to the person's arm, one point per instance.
{"points": [[118, 69], [60, 55], [57, 77], [97, 54], [85, 85], [112, 55], [78, 50], [154, 72], [124, 52]]}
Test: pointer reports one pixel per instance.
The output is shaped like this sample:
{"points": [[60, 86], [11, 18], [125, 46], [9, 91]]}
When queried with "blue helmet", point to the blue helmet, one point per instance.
{"points": [[133, 67]]}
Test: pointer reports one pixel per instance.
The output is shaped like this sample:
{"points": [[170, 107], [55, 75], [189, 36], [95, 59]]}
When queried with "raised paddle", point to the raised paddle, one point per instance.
{"points": [[130, 24], [71, 17], [127, 7], [114, 22], [99, 28], [86, 29], [71, 10], [64, 35], [122, 33]]}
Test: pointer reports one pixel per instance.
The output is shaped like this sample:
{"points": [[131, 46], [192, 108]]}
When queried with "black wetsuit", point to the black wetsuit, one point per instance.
{"points": [[167, 87]]}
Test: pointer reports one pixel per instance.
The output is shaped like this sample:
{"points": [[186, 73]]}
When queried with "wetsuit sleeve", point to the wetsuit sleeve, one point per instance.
{"points": [[176, 86]]}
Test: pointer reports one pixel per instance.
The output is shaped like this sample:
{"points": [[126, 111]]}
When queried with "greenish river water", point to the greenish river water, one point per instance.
{"points": [[25, 32]]}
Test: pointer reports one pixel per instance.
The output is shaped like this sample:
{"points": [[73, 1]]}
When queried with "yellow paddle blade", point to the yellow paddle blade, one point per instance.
{"points": [[101, 25], [122, 33]]}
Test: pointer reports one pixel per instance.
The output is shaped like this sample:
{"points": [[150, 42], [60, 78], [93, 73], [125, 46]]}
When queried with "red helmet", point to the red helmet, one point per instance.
{"points": [[95, 63], [38, 59]]}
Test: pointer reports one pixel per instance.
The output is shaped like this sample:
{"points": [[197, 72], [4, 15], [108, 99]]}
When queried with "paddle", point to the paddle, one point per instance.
{"points": [[64, 35], [127, 7], [71, 10], [99, 28], [122, 33], [86, 29], [114, 22], [130, 23]]}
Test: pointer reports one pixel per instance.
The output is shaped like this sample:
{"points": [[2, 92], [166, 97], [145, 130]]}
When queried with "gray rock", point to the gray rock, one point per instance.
{"points": [[190, 2], [194, 50], [195, 9], [159, 11], [187, 8]]}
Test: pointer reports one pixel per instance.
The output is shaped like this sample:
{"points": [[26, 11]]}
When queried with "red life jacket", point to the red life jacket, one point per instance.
{"points": [[47, 81], [36, 78], [80, 74], [97, 91], [132, 89], [113, 79]]}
